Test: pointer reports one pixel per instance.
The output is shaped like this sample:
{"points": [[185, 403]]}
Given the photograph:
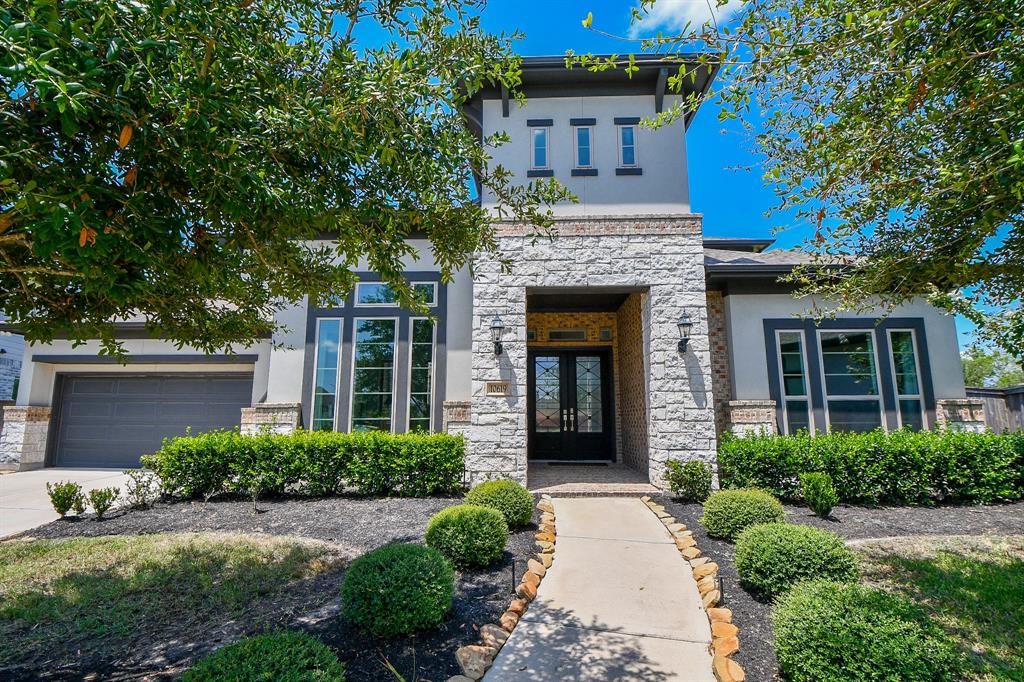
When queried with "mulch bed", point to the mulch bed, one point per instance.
{"points": [[355, 525], [752, 615]]}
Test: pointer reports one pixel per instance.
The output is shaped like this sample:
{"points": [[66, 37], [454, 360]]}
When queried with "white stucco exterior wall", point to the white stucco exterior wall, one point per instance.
{"points": [[745, 315], [661, 153]]}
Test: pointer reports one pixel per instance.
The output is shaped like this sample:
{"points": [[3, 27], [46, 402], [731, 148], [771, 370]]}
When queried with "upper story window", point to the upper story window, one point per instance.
{"points": [[627, 146], [540, 148], [370, 294], [584, 146]]}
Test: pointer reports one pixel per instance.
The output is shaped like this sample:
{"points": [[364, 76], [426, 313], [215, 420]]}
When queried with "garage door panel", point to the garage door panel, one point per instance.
{"points": [[112, 421]]}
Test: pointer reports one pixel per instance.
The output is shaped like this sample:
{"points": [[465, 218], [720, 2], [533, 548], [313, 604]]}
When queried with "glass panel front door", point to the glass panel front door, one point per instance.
{"points": [[570, 405]]}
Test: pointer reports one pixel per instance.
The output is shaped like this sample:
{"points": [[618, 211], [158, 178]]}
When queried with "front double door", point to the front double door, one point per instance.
{"points": [[570, 405]]}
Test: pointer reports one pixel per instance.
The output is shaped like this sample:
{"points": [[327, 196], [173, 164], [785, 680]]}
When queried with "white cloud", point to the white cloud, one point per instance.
{"points": [[670, 16]]}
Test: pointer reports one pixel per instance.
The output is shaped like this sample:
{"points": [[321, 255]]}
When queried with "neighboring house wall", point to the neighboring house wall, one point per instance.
{"points": [[13, 347], [661, 154]]}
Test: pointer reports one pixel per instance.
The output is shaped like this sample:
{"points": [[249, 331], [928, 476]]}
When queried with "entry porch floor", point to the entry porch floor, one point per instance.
{"points": [[579, 480]]}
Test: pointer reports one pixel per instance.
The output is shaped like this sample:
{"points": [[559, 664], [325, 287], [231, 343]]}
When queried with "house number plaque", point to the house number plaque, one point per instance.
{"points": [[496, 388]]}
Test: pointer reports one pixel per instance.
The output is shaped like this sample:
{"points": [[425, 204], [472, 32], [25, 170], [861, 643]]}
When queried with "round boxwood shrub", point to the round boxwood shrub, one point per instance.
{"points": [[398, 589], [772, 557], [286, 656], [835, 632], [468, 535], [727, 512], [513, 500]]}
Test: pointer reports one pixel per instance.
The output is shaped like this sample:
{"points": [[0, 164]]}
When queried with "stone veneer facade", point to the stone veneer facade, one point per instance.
{"points": [[23, 440], [962, 414], [660, 255]]}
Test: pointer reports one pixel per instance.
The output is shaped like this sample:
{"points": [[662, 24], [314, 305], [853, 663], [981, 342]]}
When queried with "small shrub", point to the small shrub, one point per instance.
{"points": [[102, 499], [831, 632], [398, 589], [772, 557], [727, 512], [819, 493], [286, 656], [141, 488], [66, 496], [690, 480], [468, 535], [513, 500]]}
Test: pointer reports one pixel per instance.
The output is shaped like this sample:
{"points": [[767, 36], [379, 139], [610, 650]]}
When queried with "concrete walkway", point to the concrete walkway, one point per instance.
{"points": [[24, 503], [619, 603]]}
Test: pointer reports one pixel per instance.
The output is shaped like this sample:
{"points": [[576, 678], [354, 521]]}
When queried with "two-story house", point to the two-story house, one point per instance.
{"points": [[626, 337]]}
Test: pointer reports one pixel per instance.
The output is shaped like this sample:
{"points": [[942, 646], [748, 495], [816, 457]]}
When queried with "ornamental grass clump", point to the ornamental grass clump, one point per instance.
{"points": [[468, 535], [772, 557], [728, 512], [398, 589], [836, 632], [513, 500], [285, 656]]}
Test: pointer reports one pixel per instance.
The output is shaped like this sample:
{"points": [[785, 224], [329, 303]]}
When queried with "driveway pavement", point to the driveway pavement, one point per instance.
{"points": [[24, 503], [619, 603]]}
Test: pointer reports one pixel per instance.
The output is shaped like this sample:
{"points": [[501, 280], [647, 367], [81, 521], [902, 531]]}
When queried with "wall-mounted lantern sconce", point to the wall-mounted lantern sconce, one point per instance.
{"points": [[684, 324], [497, 327]]}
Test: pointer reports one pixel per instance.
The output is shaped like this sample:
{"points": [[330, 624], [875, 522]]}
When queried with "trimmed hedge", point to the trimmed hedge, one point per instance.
{"points": [[285, 656], [690, 480], [468, 535], [772, 557], [830, 632], [309, 462], [513, 500], [728, 512], [899, 467], [398, 589]]}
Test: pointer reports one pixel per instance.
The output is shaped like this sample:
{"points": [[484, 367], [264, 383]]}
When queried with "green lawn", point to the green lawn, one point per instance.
{"points": [[974, 586], [61, 595]]}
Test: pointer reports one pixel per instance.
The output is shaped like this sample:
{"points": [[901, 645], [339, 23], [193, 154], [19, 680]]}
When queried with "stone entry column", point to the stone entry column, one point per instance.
{"points": [[23, 440], [661, 255]]}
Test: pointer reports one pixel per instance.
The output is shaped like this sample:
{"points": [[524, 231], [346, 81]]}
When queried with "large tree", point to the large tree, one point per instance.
{"points": [[895, 128], [176, 160]]}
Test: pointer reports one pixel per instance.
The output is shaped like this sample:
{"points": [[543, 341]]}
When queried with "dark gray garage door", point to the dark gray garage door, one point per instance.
{"points": [[110, 421]]}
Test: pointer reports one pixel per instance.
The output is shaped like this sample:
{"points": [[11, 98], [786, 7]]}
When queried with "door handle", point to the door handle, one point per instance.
{"points": [[572, 418]]}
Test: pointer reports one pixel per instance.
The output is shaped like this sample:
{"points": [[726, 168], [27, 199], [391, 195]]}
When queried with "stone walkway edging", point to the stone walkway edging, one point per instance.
{"points": [[724, 634], [475, 659]]}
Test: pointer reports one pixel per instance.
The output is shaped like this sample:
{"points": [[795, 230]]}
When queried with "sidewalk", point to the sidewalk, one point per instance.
{"points": [[619, 603]]}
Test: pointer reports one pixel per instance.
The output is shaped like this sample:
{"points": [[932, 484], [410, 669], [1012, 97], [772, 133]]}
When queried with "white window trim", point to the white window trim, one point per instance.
{"points": [[782, 378], [576, 147], [619, 145], [824, 386], [352, 374], [547, 148], [337, 369], [433, 374], [432, 303], [919, 396]]}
